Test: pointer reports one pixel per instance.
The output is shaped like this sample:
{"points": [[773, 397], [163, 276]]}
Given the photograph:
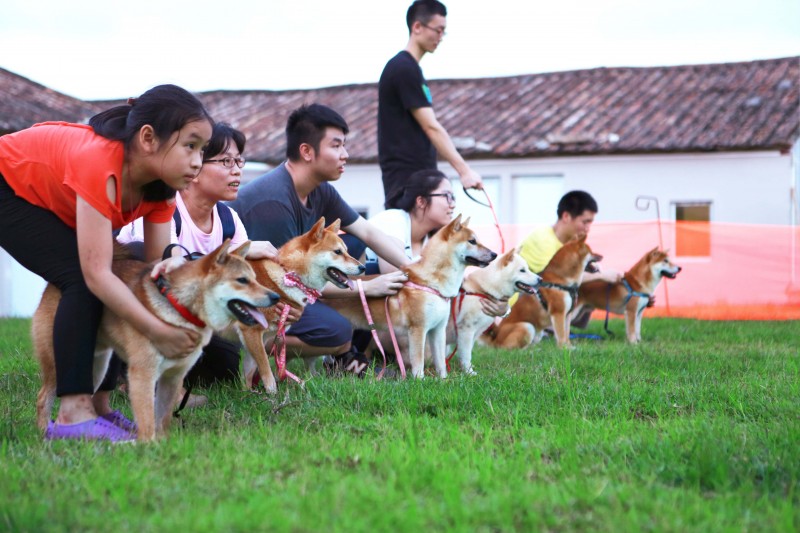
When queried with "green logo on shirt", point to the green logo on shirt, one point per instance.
{"points": [[427, 92]]}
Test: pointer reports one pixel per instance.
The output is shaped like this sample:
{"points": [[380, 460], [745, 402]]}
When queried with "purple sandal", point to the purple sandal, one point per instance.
{"points": [[97, 429], [121, 421]]}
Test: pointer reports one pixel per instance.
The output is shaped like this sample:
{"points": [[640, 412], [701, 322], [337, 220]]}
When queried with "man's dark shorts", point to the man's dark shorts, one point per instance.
{"points": [[321, 326]]}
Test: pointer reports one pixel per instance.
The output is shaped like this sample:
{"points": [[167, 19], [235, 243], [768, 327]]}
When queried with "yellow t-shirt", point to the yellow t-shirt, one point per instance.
{"points": [[538, 249]]}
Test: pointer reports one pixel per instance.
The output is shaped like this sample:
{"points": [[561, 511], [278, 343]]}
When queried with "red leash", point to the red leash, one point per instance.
{"points": [[455, 309], [494, 214]]}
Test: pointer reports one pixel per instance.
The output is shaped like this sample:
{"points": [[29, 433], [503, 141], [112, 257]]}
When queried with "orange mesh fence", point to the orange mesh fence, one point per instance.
{"points": [[730, 271]]}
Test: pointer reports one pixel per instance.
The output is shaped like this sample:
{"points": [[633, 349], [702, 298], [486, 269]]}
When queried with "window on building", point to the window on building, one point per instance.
{"points": [[693, 229], [535, 198]]}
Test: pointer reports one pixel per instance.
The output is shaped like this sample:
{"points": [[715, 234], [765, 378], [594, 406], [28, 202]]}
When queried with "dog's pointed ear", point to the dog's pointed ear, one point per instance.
{"points": [[581, 237], [506, 258], [221, 253], [466, 222], [455, 224], [653, 252], [242, 250], [317, 229], [334, 227]]}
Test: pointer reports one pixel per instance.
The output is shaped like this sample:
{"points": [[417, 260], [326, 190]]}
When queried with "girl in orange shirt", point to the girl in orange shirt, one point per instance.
{"points": [[63, 189]]}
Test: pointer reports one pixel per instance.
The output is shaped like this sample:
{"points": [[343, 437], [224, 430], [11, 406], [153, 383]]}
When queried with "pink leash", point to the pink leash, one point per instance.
{"points": [[371, 323], [494, 214], [280, 356]]}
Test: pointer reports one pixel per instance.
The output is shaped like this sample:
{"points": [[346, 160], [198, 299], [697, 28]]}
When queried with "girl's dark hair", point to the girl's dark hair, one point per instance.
{"points": [[167, 108], [420, 183], [222, 135]]}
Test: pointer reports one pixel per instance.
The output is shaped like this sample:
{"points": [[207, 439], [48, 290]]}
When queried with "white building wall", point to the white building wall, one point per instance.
{"points": [[744, 187]]}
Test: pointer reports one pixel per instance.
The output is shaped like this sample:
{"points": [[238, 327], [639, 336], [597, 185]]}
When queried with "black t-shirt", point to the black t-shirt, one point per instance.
{"points": [[402, 145], [271, 210]]}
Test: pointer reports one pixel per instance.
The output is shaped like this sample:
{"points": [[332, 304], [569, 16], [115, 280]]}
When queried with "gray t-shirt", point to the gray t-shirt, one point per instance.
{"points": [[271, 210]]}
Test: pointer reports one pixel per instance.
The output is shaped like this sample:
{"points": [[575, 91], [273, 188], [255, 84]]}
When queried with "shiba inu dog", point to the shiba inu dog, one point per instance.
{"points": [[550, 306], [304, 265], [504, 277], [206, 295], [421, 309], [629, 297]]}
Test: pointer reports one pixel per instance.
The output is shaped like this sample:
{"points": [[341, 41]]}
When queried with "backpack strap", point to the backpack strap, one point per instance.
{"points": [[225, 218]]}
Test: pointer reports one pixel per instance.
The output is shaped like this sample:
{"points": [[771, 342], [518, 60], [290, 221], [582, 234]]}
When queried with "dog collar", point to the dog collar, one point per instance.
{"points": [[571, 289], [291, 279], [631, 292], [412, 285], [163, 288]]}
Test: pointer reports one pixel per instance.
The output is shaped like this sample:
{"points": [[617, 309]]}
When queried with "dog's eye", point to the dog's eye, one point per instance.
{"points": [[337, 252], [243, 281], [473, 241]]}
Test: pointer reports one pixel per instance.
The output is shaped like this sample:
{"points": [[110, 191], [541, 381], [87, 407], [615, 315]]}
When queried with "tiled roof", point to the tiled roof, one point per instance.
{"points": [[23, 103], [719, 107]]}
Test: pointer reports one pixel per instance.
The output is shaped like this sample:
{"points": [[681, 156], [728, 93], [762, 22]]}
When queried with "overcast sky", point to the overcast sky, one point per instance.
{"points": [[95, 49]]}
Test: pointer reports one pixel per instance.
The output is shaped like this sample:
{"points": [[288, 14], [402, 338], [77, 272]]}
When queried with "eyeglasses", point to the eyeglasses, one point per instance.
{"points": [[228, 162], [440, 31], [451, 198]]}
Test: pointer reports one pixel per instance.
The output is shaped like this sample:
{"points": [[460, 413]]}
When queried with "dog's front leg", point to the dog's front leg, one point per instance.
{"points": [[466, 340], [561, 329], [167, 390], [141, 389], [416, 351], [438, 343], [254, 346], [631, 319]]}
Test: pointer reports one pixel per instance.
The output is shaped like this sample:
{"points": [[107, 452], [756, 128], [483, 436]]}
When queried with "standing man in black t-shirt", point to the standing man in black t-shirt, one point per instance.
{"points": [[409, 135]]}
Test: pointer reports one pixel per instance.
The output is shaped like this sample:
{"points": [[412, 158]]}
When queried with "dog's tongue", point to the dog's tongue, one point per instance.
{"points": [[258, 316], [350, 284]]}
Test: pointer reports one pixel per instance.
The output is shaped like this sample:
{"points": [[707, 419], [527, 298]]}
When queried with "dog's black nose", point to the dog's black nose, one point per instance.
{"points": [[361, 269], [494, 255], [273, 298]]}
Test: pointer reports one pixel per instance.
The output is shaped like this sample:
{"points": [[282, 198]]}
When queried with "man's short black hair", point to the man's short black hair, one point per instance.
{"points": [[575, 203], [307, 124], [423, 11]]}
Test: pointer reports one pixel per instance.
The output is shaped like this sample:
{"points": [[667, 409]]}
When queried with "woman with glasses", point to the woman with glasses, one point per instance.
{"points": [[425, 205], [201, 223]]}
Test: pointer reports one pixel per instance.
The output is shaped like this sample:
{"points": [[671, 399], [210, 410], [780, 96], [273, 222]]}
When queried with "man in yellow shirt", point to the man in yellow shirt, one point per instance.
{"points": [[576, 212]]}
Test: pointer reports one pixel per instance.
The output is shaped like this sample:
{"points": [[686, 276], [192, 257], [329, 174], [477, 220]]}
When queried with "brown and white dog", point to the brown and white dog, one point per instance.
{"points": [[629, 297], [503, 278], [421, 309], [206, 295], [303, 267], [550, 307]]}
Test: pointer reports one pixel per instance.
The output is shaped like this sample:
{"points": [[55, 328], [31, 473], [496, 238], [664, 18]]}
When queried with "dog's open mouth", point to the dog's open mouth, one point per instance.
{"points": [[591, 267], [338, 278], [668, 274], [474, 261], [524, 287], [247, 314]]}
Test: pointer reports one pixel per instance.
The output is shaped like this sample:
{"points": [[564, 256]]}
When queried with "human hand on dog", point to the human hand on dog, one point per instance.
{"points": [[166, 266], [262, 250], [492, 307], [385, 284], [173, 342], [651, 302], [294, 313]]}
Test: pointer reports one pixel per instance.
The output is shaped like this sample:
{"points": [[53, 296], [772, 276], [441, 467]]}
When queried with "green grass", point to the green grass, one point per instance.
{"points": [[696, 429]]}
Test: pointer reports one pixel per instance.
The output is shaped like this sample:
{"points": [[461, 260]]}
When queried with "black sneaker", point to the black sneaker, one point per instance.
{"points": [[352, 362]]}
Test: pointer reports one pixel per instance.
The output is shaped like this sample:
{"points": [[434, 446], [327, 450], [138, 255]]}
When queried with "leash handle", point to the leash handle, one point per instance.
{"points": [[494, 215]]}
